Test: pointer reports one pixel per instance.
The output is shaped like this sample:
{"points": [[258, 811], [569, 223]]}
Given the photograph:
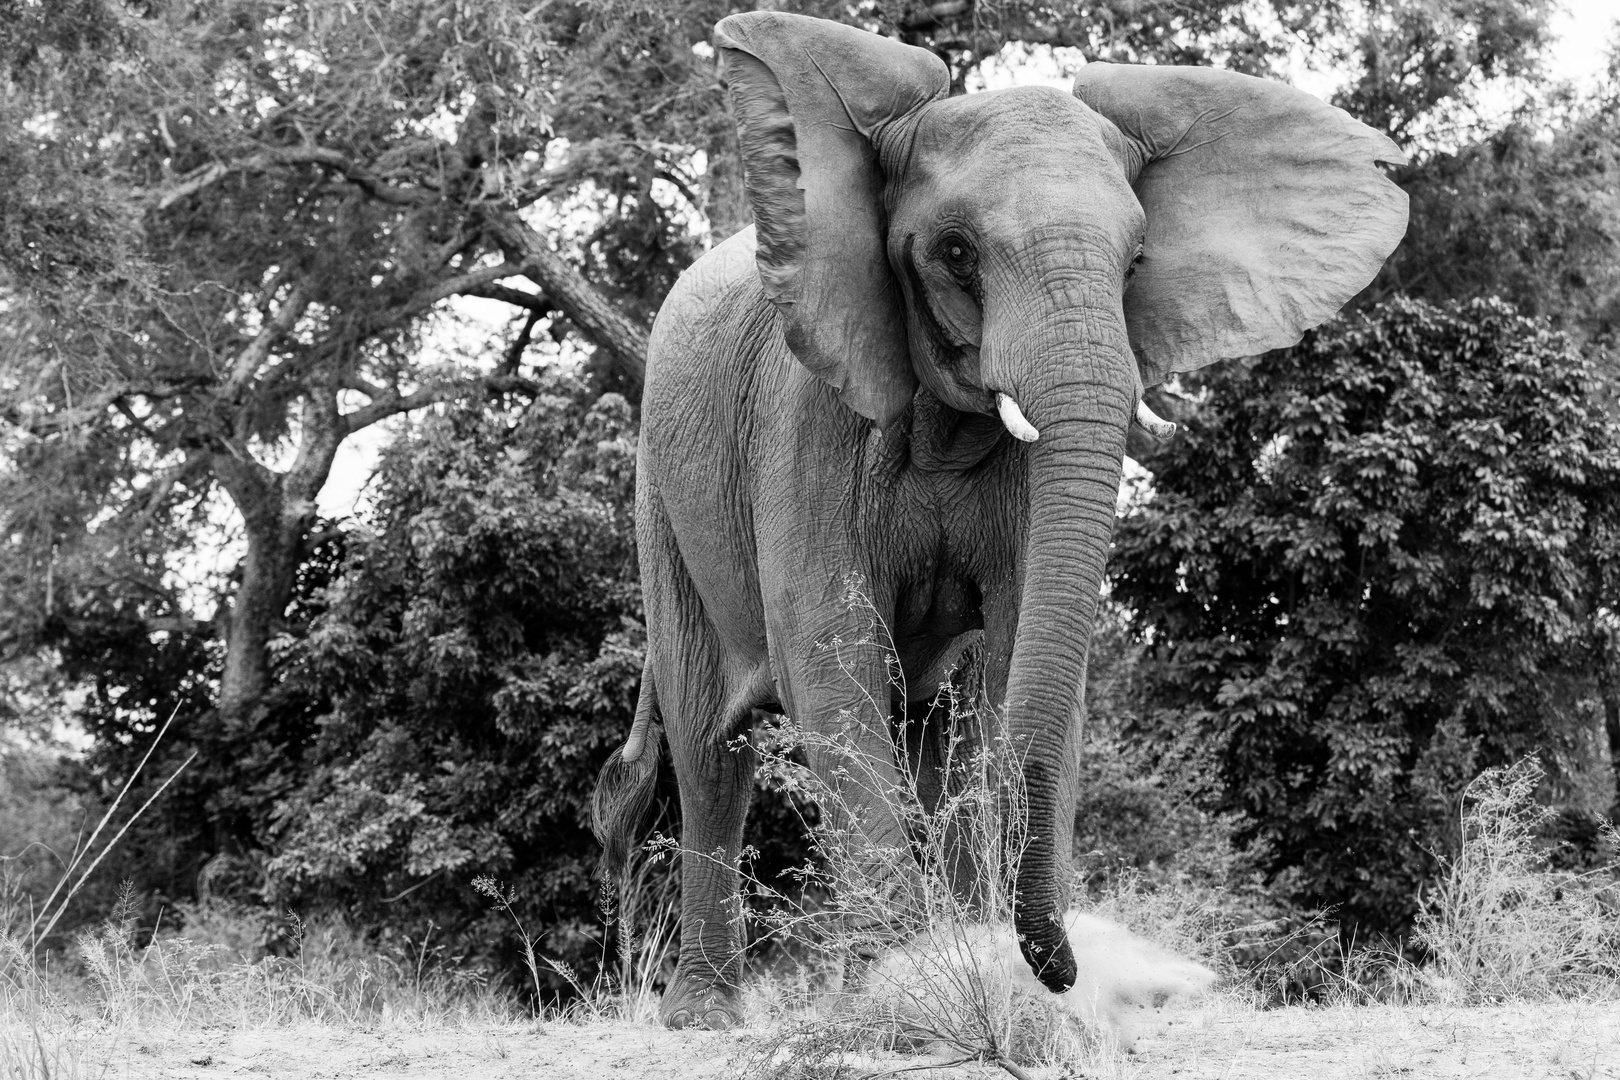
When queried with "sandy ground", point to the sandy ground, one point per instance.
{"points": [[1222, 1039]]}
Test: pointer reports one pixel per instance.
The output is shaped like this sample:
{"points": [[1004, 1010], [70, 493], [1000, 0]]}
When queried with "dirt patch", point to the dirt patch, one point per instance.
{"points": [[1224, 1039], [552, 1052], [1566, 1041]]}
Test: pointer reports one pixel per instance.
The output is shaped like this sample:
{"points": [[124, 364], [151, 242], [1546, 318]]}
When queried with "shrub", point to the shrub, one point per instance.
{"points": [[477, 658], [1373, 565]]}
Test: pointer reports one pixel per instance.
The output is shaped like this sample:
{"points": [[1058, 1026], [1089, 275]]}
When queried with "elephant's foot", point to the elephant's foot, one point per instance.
{"points": [[693, 1003]]}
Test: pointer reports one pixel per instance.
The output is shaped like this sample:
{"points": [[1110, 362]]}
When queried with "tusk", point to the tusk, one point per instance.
{"points": [[1159, 429], [1012, 417]]}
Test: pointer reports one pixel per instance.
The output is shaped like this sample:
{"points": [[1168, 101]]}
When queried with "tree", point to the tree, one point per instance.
{"points": [[964, 33], [1417, 68], [232, 229], [1376, 563], [1531, 218]]}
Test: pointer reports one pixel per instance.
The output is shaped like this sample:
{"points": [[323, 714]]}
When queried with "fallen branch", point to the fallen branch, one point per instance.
{"points": [[78, 857]]}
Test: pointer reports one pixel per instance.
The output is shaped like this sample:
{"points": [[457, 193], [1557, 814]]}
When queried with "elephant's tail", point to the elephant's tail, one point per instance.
{"points": [[626, 785]]}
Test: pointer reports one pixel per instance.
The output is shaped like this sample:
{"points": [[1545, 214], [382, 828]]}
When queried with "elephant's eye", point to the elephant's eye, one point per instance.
{"points": [[1130, 271], [958, 256]]}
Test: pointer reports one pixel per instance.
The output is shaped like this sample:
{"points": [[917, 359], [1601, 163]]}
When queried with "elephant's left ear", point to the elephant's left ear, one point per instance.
{"points": [[1266, 209]]}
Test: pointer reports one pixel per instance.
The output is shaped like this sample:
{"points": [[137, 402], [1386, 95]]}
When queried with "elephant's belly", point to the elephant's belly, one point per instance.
{"points": [[935, 625], [928, 663], [717, 551]]}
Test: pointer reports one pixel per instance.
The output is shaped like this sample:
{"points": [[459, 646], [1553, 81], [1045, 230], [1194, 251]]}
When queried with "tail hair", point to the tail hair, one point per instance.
{"points": [[623, 802]]}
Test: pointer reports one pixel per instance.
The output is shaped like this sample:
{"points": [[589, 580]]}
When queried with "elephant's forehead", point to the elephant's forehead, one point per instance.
{"points": [[1000, 131], [1016, 158]]}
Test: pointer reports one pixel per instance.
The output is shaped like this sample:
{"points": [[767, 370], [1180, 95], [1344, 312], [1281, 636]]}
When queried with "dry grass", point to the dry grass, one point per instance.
{"points": [[110, 988], [1500, 924], [108, 983], [645, 907]]}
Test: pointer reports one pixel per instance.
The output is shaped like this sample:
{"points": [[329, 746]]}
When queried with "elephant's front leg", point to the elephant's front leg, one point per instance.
{"points": [[840, 684]]}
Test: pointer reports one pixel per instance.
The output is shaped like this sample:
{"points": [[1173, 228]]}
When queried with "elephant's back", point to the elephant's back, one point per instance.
{"points": [[714, 362], [715, 338], [716, 315]]}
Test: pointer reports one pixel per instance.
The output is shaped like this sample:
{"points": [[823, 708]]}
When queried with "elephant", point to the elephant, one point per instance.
{"points": [[920, 365]]}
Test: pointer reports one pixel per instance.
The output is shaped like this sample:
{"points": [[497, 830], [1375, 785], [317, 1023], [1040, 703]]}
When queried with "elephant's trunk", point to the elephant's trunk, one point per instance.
{"points": [[1074, 394]]}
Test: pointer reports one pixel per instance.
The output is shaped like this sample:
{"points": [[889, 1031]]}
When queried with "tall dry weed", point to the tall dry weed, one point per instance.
{"points": [[644, 909], [1501, 924]]}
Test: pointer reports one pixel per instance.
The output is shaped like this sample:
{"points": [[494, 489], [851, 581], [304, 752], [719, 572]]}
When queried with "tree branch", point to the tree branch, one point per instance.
{"points": [[514, 353], [356, 381], [283, 157], [394, 404], [935, 14], [515, 297], [323, 429], [419, 302], [472, 283], [594, 314], [250, 359], [159, 490]]}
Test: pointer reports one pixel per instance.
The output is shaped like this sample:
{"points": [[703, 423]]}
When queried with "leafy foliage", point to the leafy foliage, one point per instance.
{"points": [[478, 659], [1376, 563], [1533, 219], [1417, 68]]}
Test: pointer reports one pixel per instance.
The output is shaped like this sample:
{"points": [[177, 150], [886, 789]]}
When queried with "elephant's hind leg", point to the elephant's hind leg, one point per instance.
{"points": [[715, 774], [716, 783]]}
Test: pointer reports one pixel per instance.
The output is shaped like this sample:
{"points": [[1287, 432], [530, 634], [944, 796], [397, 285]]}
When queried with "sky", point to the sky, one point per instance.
{"points": [[1583, 32]]}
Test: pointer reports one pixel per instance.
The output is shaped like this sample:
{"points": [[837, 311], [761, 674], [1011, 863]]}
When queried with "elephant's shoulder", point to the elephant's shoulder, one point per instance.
{"points": [[713, 287]]}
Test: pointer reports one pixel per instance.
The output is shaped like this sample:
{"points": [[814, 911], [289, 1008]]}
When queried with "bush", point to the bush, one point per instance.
{"points": [[1374, 565], [477, 658], [40, 818]]}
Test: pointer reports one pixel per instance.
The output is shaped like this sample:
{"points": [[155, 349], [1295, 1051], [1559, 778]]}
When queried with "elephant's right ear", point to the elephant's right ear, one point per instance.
{"points": [[814, 100]]}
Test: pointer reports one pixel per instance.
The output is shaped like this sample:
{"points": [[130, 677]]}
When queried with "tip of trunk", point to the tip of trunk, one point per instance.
{"points": [[1047, 951]]}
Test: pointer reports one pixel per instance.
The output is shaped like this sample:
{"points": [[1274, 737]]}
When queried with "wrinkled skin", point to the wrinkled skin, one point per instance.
{"points": [[996, 256]]}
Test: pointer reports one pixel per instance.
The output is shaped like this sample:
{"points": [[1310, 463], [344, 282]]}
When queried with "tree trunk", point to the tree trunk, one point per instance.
{"points": [[277, 513], [269, 569]]}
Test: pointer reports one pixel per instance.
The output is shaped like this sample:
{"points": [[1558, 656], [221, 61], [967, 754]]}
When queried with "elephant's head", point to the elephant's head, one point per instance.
{"points": [[1043, 256]]}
